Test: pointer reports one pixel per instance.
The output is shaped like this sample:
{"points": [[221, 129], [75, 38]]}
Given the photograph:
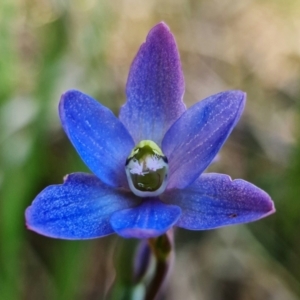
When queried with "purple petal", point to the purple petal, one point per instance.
{"points": [[99, 137], [155, 87], [214, 200], [150, 219], [194, 140], [78, 209]]}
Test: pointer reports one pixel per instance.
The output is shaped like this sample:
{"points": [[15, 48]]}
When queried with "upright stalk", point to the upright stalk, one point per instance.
{"points": [[161, 248]]}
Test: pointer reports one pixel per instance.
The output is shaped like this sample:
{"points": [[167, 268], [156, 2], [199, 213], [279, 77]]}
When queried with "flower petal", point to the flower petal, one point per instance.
{"points": [[214, 200], [150, 219], [194, 140], [99, 137], [155, 87], [78, 209]]}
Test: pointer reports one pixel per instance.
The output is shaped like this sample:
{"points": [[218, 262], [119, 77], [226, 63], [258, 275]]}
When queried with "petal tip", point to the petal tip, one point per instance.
{"points": [[272, 209], [68, 96], [161, 26], [71, 93], [242, 95], [65, 178], [29, 223], [237, 95], [160, 32], [27, 218]]}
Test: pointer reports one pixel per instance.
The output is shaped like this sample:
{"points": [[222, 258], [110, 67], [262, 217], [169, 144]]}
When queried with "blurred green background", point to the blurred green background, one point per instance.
{"points": [[47, 47]]}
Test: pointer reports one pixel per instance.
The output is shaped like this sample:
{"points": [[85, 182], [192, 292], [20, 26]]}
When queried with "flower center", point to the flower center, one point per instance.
{"points": [[147, 169]]}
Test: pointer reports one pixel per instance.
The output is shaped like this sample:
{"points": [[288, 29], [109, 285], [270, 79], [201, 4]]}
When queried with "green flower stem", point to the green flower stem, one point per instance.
{"points": [[146, 279], [162, 251]]}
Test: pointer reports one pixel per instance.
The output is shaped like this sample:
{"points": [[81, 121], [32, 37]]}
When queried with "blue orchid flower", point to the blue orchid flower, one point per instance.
{"points": [[148, 165]]}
